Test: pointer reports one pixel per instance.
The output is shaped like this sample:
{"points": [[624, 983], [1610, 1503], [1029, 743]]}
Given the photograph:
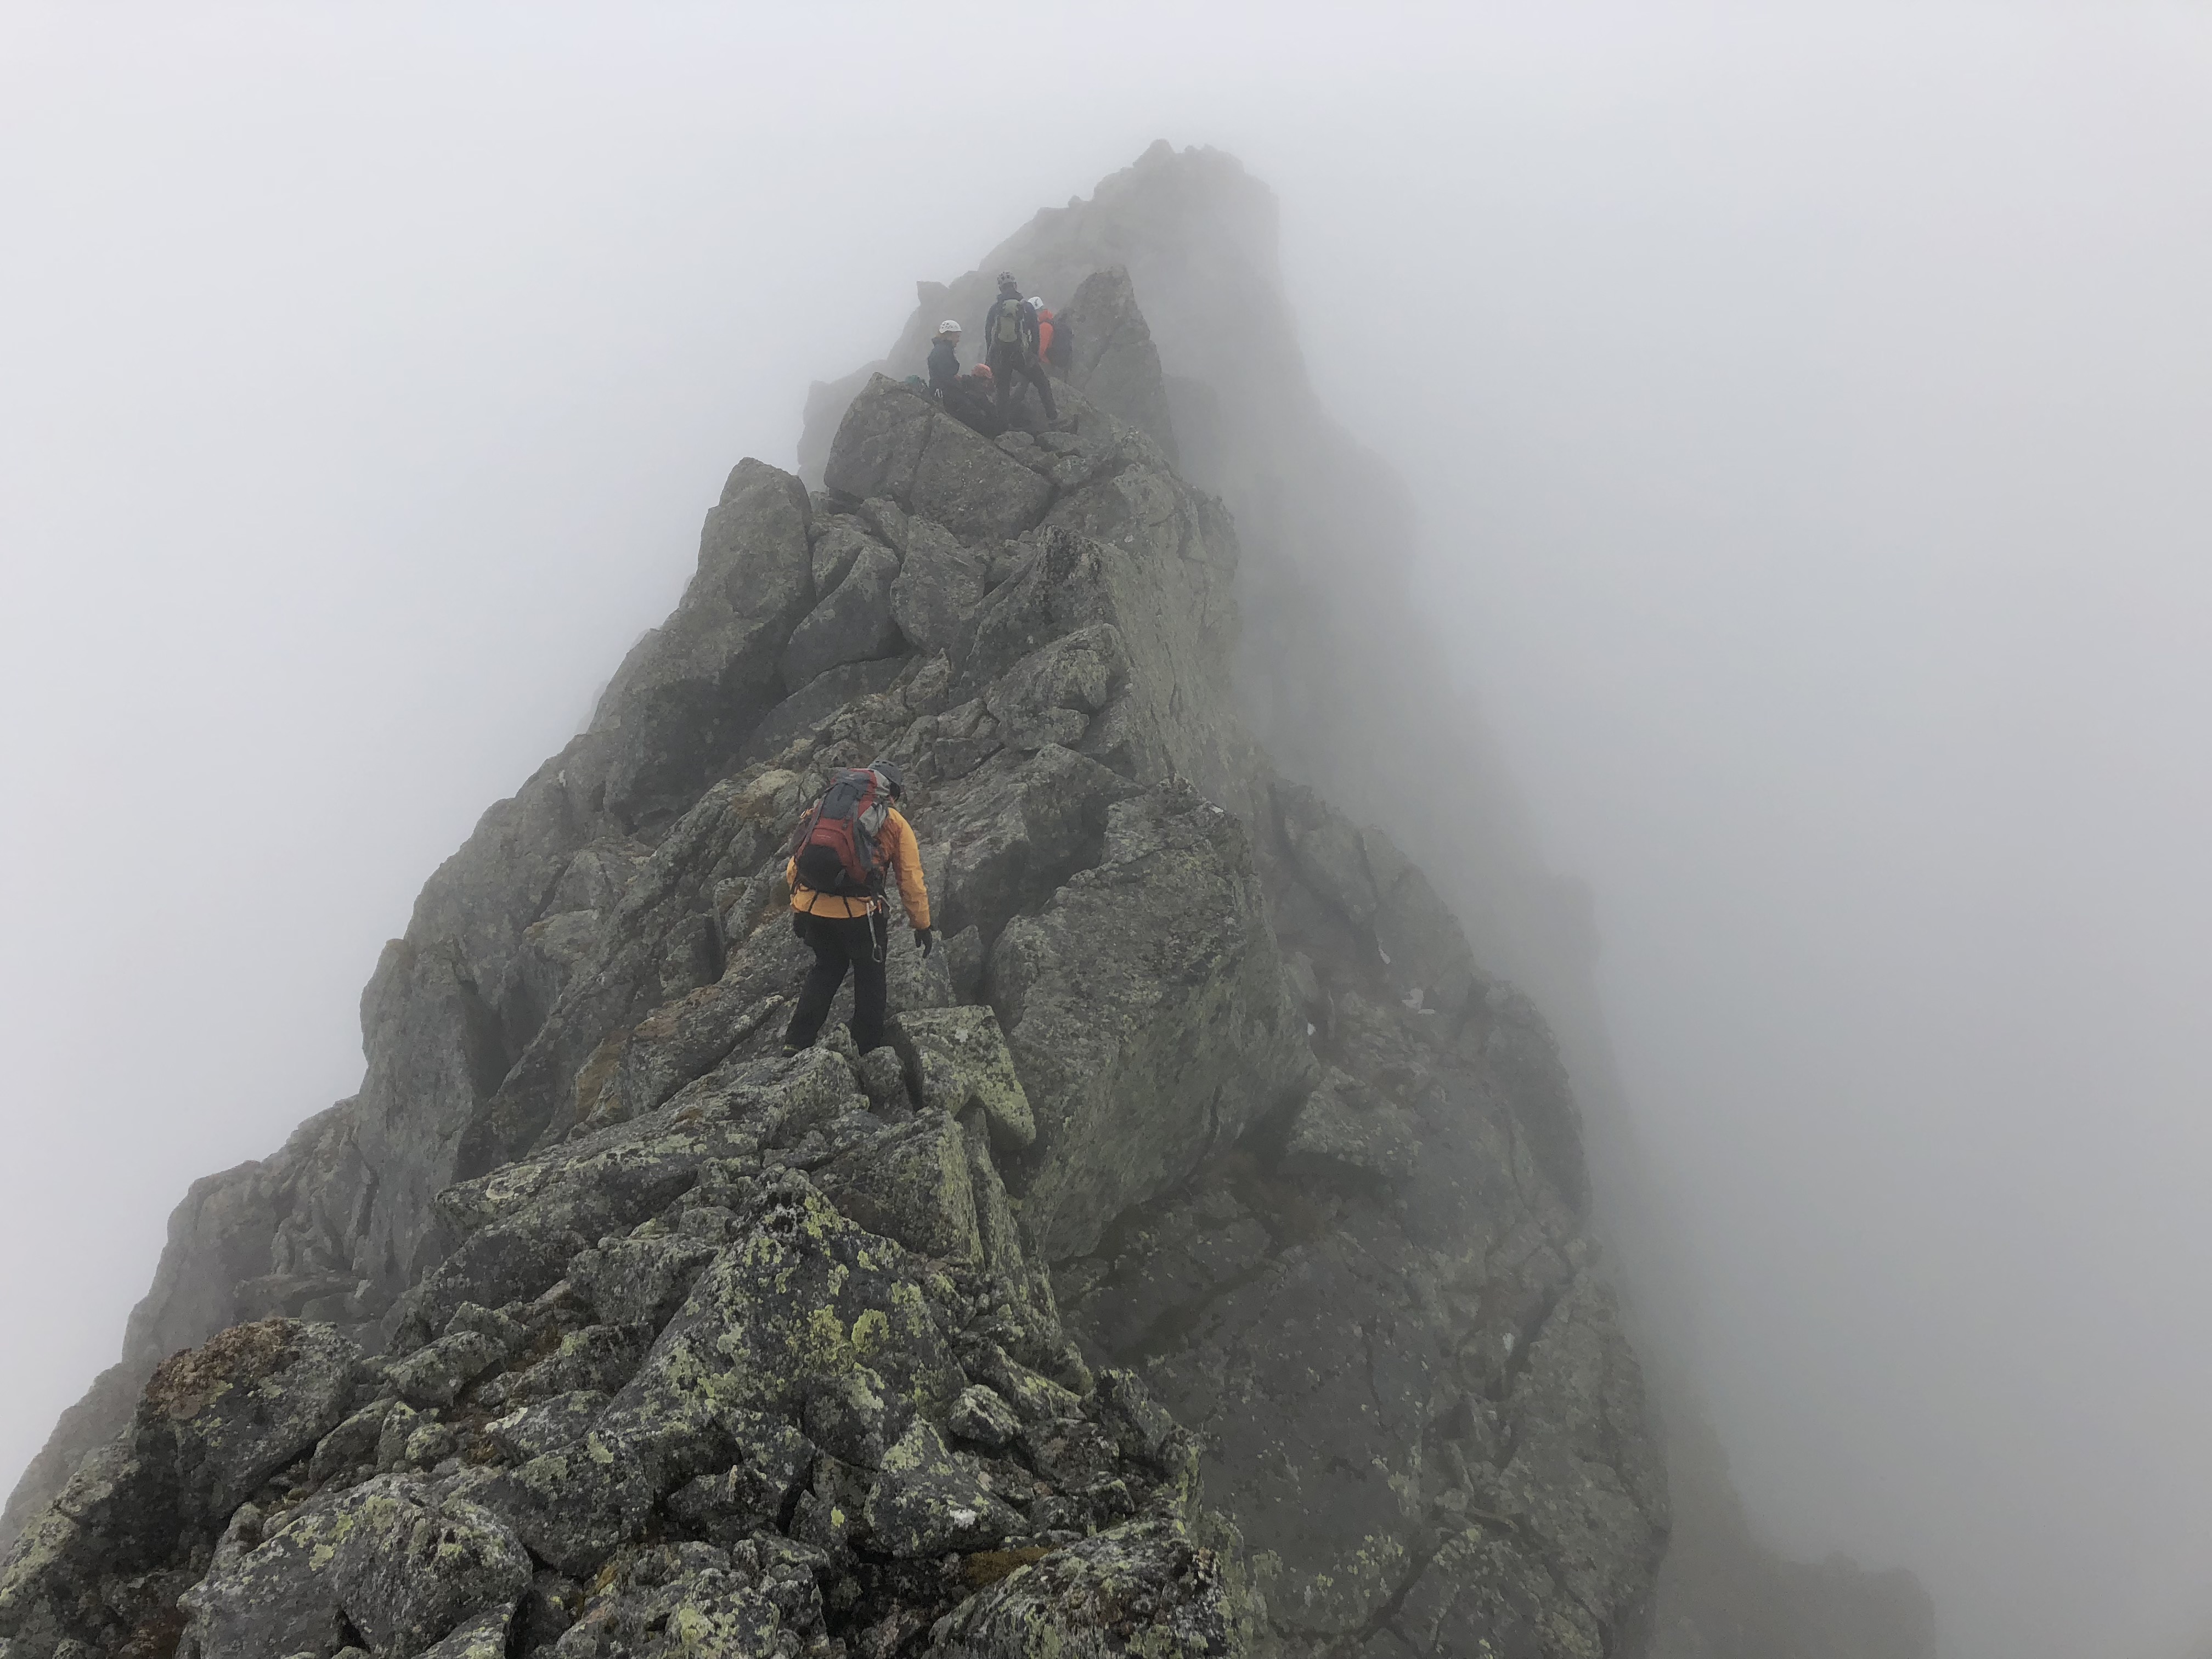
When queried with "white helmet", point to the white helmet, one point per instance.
{"points": [[1036, 302], [948, 326]]}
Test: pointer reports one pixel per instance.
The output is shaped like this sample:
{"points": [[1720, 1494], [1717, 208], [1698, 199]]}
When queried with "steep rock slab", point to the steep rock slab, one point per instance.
{"points": [[519, 1228], [1165, 589], [1051, 695], [912, 1184], [896, 442], [839, 539], [685, 697], [1385, 1321], [412, 1568], [810, 1320], [662, 942], [1346, 892], [853, 624], [1115, 361], [1145, 1588], [1724, 1595], [84, 1428], [1016, 828], [821, 699], [939, 589], [1378, 892], [1146, 1014], [956, 1058]]}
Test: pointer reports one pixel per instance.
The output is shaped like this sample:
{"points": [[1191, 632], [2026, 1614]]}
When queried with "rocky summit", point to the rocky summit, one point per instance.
{"points": [[1207, 1266]]}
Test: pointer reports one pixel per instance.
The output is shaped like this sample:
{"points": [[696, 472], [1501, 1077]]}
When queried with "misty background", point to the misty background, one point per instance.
{"points": [[1810, 414]]}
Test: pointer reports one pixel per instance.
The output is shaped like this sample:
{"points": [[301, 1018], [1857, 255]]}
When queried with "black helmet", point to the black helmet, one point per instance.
{"points": [[893, 774]]}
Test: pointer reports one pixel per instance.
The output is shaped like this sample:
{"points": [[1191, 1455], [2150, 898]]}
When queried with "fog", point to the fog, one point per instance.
{"points": [[1808, 413]]}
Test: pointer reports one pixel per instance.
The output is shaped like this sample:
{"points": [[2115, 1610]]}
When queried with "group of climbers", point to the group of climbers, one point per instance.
{"points": [[1014, 343], [1020, 338]]}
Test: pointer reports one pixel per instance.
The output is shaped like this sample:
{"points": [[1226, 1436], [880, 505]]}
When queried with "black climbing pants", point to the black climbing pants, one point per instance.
{"points": [[839, 943], [1008, 366]]}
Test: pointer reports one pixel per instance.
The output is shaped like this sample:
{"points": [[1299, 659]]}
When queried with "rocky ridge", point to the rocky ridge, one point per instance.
{"points": [[1347, 675], [1205, 1268]]}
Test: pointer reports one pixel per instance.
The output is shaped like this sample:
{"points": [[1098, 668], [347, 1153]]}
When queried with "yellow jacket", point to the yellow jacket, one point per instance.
{"points": [[897, 851]]}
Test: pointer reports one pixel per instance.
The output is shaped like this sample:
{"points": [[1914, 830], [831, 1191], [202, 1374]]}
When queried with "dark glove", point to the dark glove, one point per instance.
{"points": [[925, 937]]}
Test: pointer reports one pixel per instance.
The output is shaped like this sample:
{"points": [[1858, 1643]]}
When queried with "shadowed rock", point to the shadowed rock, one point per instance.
{"points": [[1145, 1010], [852, 623], [938, 590], [896, 442], [688, 693]]}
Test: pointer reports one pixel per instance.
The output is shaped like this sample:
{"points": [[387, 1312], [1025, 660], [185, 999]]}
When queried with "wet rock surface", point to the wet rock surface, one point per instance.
{"points": [[1202, 1268]]}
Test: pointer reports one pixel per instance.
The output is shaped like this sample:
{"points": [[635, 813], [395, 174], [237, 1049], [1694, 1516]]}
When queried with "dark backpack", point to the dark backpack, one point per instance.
{"points": [[835, 844], [968, 401], [1063, 343]]}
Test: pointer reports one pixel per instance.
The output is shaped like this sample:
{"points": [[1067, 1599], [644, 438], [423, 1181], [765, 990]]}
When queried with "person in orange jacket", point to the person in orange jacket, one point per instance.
{"points": [[1044, 327], [852, 932]]}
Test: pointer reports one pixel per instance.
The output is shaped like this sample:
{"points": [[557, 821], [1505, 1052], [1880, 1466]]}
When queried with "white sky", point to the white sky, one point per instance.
{"points": [[1809, 406]]}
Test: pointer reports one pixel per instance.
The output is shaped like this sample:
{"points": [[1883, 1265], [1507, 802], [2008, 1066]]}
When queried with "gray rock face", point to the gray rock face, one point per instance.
{"points": [[1062, 1604], [1347, 678], [483, 1636], [927, 1500], [1342, 1132], [1724, 1595], [1146, 1014], [1386, 1323], [99, 1565], [1115, 360], [1022, 826], [895, 443], [956, 1058], [685, 696], [272, 1597], [686, 1346], [911, 1183], [411, 1569], [1050, 695], [852, 623], [821, 699], [837, 543], [938, 590]]}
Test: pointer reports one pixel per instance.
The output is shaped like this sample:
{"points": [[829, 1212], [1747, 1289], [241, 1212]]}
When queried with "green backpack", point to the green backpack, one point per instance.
{"points": [[1008, 328]]}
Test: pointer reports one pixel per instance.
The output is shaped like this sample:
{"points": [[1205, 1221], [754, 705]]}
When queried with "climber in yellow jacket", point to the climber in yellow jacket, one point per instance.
{"points": [[845, 845]]}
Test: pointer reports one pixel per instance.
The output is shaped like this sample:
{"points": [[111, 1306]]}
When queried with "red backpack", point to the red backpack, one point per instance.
{"points": [[835, 844]]}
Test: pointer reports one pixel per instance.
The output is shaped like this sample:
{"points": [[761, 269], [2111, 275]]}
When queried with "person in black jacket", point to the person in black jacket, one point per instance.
{"points": [[972, 400], [1010, 337], [945, 357]]}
